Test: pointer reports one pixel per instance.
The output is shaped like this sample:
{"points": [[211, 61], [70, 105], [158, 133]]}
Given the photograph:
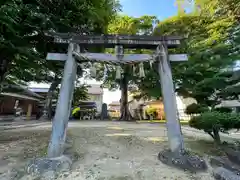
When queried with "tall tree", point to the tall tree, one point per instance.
{"points": [[23, 23], [208, 50], [24, 46], [131, 26]]}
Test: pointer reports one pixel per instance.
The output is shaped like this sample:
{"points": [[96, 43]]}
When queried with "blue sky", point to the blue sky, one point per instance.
{"points": [[160, 8]]}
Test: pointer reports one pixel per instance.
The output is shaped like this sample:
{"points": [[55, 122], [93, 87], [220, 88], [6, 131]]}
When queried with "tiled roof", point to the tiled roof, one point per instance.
{"points": [[114, 103], [20, 96], [20, 90], [93, 89], [39, 90]]}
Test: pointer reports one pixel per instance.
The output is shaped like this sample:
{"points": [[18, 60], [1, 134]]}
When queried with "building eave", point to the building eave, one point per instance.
{"points": [[20, 96]]}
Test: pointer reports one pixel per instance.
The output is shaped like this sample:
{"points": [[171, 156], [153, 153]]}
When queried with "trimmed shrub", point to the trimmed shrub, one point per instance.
{"points": [[223, 109], [195, 109], [213, 122], [152, 112]]}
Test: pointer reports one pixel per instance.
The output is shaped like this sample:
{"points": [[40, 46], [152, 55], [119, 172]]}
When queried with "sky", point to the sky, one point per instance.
{"points": [[160, 8]]}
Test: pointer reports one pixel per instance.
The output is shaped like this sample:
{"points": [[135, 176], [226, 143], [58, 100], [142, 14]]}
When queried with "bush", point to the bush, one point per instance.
{"points": [[223, 109], [214, 122], [195, 109], [152, 112]]}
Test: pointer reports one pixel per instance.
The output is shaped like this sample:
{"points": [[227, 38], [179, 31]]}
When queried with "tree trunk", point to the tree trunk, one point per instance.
{"points": [[216, 136], [3, 70], [125, 114], [47, 112]]}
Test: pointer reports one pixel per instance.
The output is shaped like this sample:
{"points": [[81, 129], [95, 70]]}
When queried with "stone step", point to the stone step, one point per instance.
{"points": [[233, 155], [221, 173], [225, 163]]}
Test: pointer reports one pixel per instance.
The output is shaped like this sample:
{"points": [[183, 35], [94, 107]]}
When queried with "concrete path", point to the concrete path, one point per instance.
{"points": [[22, 124], [134, 128]]}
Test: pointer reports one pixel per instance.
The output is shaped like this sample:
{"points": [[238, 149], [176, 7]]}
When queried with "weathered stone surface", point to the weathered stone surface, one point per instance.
{"points": [[217, 161], [40, 166], [13, 174], [220, 162], [49, 175], [67, 146], [184, 161], [233, 155], [68, 140], [224, 174], [26, 177], [234, 146], [104, 113]]}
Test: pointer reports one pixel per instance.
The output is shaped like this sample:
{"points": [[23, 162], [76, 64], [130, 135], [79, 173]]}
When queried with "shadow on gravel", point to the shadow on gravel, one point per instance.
{"points": [[17, 148]]}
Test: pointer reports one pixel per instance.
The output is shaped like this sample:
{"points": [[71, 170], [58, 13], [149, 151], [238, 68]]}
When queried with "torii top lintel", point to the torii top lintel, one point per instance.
{"points": [[109, 41]]}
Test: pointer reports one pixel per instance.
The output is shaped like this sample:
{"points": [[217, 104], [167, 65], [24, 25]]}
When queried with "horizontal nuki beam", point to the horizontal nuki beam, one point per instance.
{"points": [[111, 58], [109, 41]]}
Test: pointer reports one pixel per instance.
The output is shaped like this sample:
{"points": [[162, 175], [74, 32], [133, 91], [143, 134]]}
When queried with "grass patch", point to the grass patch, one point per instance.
{"points": [[203, 147], [183, 122], [25, 144], [18, 147]]}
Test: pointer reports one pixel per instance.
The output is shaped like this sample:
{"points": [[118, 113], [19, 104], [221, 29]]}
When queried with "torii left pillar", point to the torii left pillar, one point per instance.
{"points": [[56, 161], [61, 117]]}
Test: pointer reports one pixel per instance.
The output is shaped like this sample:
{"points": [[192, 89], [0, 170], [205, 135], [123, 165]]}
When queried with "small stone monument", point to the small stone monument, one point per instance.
{"points": [[104, 113]]}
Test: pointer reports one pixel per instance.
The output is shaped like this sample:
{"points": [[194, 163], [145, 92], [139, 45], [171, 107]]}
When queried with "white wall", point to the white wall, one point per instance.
{"points": [[98, 98], [181, 108], [182, 104], [99, 103]]}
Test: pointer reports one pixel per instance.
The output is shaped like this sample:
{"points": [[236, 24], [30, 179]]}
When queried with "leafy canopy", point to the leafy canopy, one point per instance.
{"points": [[23, 44], [211, 48]]}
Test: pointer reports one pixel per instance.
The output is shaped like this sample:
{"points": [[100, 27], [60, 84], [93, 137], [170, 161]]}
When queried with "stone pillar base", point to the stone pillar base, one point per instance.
{"points": [[183, 160], [48, 168]]}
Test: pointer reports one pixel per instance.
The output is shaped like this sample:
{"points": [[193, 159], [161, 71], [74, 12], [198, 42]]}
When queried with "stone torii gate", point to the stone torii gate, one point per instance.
{"points": [[76, 45], [77, 42]]}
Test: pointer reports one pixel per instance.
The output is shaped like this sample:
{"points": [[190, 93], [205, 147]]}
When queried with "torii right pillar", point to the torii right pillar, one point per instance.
{"points": [[176, 156], [169, 99]]}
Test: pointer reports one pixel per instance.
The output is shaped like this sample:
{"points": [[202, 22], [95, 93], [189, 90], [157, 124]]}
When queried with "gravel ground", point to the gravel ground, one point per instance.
{"points": [[103, 151], [115, 153], [17, 147]]}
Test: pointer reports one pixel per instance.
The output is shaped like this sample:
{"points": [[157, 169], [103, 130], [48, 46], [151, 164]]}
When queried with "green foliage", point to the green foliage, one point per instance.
{"points": [[210, 120], [137, 95], [232, 91], [218, 7], [131, 25], [223, 110], [23, 44], [214, 122], [151, 111], [80, 94], [195, 109], [150, 85], [211, 44]]}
